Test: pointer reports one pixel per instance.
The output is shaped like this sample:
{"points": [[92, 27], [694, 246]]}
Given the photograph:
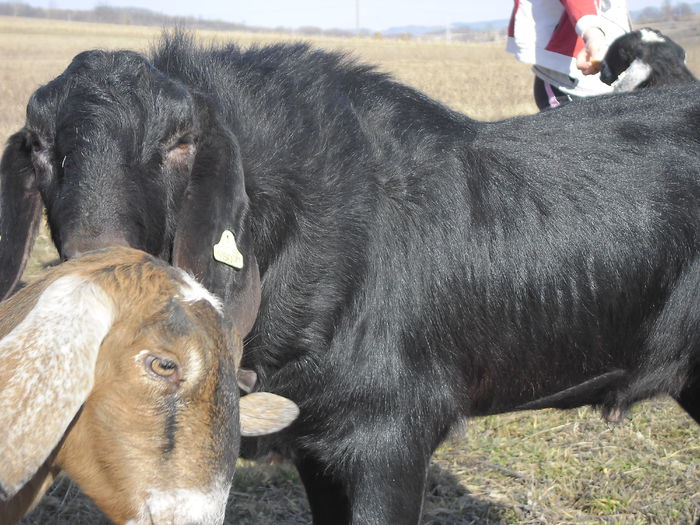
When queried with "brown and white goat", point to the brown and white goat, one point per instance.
{"points": [[117, 368]]}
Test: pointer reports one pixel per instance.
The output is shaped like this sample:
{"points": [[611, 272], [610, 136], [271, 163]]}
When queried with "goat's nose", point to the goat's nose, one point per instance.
{"points": [[70, 250], [74, 247]]}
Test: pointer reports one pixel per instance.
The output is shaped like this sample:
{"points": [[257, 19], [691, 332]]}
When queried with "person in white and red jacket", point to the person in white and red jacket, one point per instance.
{"points": [[565, 40]]}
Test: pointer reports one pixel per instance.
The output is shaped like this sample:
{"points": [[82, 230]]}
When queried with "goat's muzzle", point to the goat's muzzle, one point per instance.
{"points": [[76, 246]]}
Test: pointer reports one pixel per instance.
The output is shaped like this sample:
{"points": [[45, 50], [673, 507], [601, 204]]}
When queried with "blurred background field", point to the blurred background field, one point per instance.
{"points": [[543, 467]]}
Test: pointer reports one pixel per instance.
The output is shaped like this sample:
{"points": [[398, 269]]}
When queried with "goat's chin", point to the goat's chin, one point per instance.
{"points": [[77, 246], [184, 507]]}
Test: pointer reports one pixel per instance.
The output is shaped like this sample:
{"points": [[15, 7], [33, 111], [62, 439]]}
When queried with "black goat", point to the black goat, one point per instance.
{"points": [[418, 267], [644, 58]]}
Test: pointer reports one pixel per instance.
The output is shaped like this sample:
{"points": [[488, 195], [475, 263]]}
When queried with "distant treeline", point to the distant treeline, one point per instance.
{"points": [[146, 17], [668, 11]]}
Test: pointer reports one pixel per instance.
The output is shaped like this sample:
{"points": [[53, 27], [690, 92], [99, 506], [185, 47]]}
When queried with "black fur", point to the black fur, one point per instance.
{"points": [[661, 59], [111, 142], [418, 267]]}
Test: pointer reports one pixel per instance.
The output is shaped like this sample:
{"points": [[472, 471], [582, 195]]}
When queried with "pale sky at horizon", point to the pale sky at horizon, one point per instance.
{"points": [[326, 14]]}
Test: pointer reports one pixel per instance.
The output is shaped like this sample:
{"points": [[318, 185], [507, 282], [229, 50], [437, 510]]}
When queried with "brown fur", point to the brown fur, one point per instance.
{"points": [[30, 495], [139, 432], [114, 449]]}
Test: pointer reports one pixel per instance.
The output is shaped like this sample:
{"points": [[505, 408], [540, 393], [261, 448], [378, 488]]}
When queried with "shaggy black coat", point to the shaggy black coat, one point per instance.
{"points": [[417, 267]]}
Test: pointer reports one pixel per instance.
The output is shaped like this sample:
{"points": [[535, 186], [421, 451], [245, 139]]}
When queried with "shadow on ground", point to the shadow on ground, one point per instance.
{"points": [[273, 495]]}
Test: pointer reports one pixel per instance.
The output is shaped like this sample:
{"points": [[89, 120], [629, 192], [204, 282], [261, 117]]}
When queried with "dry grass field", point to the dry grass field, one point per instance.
{"points": [[543, 467]]}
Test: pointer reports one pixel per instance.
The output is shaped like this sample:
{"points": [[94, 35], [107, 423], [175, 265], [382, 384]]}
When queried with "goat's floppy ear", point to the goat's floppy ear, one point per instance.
{"points": [[213, 239], [20, 210], [637, 73], [47, 365], [264, 413]]}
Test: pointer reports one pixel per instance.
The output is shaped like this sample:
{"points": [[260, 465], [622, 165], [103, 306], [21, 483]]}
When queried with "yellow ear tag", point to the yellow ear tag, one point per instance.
{"points": [[226, 251]]}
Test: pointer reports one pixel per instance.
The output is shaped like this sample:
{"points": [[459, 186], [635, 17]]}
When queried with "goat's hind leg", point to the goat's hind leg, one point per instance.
{"points": [[689, 324], [674, 361], [689, 396], [689, 399]]}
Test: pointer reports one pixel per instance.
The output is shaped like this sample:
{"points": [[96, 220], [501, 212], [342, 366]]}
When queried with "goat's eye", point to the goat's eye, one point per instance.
{"points": [[162, 367]]}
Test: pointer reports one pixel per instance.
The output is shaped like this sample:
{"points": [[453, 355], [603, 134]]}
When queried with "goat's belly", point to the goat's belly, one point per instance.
{"points": [[590, 392], [521, 392]]}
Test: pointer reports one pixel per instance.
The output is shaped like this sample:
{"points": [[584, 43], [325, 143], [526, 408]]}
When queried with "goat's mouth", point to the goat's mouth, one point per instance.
{"points": [[606, 74], [184, 507]]}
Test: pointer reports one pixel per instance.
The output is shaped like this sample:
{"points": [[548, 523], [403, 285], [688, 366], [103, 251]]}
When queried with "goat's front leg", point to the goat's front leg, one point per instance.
{"points": [[380, 488]]}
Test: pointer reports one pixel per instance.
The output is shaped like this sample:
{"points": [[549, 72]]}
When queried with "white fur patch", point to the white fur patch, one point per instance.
{"points": [[634, 75], [184, 506], [192, 292], [50, 357], [651, 37]]}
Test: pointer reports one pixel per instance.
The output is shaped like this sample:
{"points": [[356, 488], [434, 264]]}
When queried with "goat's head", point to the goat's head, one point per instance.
{"points": [[631, 59], [117, 368], [121, 154]]}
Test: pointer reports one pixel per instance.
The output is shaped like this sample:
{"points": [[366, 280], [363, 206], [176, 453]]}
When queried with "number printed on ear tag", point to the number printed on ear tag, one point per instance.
{"points": [[226, 251]]}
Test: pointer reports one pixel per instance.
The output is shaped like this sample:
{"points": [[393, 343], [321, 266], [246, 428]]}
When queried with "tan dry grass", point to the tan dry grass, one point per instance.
{"points": [[35, 51], [544, 467]]}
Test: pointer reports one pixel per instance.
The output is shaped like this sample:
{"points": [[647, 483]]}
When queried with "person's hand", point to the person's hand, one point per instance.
{"points": [[590, 57]]}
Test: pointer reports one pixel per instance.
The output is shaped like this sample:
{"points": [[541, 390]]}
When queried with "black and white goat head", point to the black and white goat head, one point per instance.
{"points": [[644, 58]]}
